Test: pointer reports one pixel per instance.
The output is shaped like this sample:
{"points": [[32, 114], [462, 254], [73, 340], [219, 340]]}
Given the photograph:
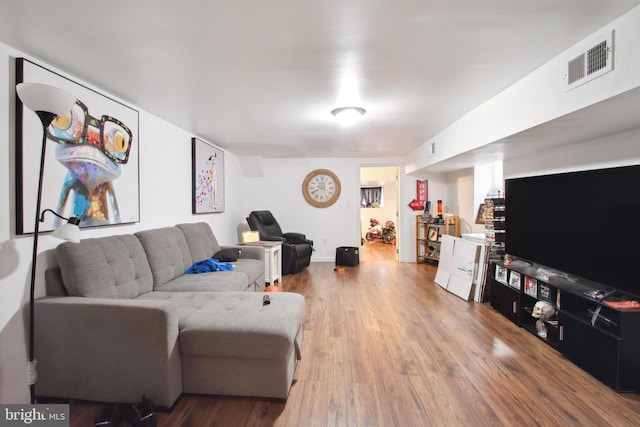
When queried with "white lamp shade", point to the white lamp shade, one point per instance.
{"points": [[67, 231], [347, 116], [41, 97]]}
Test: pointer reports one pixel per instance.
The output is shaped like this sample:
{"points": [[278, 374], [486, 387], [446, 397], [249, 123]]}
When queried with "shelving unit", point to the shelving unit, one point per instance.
{"points": [[544, 292], [602, 340], [494, 225], [429, 236]]}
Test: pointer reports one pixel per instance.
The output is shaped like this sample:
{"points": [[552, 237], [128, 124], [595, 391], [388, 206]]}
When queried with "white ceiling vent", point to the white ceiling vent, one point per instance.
{"points": [[592, 60]]}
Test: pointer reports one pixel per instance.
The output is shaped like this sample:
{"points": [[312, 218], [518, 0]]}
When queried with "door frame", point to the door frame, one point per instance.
{"points": [[396, 215]]}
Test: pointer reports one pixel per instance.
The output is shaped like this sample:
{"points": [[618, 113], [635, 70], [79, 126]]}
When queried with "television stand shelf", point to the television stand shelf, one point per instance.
{"points": [[583, 326]]}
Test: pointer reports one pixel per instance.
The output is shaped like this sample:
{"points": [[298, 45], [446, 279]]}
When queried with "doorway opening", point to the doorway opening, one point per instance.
{"points": [[379, 212]]}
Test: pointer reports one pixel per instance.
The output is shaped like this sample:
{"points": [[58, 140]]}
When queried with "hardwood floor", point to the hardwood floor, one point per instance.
{"points": [[385, 346]]}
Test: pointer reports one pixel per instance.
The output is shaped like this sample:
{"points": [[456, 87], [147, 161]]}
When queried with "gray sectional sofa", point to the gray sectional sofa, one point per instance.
{"points": [[122, 319]]}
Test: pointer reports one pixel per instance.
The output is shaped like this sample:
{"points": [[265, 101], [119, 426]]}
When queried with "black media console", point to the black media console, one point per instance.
{"points": [[589, 325]]}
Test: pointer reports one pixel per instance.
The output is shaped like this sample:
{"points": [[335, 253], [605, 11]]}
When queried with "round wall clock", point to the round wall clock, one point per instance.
{"points": [[321, 188]]}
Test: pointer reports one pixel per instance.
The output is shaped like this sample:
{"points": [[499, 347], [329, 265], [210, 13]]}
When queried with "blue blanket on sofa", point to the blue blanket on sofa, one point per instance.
{"points": [[208, 265]]}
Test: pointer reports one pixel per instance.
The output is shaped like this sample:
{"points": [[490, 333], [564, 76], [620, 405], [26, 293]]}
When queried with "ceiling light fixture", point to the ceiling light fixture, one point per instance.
{"points": [[347, 116]]}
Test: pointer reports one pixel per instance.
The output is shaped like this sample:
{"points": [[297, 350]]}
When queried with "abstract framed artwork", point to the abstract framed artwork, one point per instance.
{"points": [[91, 166], [207, 164]]}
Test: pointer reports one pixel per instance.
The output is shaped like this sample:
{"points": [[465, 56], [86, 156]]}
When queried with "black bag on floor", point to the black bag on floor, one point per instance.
{"points": [[348, 256]]}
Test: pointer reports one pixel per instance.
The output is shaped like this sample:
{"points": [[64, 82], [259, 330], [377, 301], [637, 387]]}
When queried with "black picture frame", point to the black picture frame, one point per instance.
{"points": [[81, 177], [207, 173]]}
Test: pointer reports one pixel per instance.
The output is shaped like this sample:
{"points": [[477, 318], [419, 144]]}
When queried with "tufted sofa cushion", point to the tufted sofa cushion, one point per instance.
{"points": [[105, 267], [200, 239], [167, 252], [235, 324]]}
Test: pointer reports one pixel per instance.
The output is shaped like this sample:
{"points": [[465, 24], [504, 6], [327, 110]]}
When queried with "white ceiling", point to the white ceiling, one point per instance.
{"points": [[261, 77]]}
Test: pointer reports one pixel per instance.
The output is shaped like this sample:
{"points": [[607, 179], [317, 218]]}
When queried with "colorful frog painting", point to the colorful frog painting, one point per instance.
{"points": [[92, 150]]}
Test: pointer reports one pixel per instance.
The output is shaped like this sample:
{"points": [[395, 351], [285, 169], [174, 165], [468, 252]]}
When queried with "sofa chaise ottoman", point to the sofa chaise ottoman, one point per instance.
{"points": [[120, 322]]}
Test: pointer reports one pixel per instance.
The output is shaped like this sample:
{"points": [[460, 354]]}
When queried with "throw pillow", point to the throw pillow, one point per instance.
{"points": [[227, 255]]}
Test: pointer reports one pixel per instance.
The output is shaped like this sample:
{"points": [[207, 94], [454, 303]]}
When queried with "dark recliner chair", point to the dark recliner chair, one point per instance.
{"points": [[296, 248]]}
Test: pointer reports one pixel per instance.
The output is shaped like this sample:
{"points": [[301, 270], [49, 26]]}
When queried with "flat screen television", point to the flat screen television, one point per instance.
{"points": [[586, 224]]}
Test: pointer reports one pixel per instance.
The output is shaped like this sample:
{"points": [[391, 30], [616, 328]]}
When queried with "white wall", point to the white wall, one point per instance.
{"points": [[460, 189], [279, 190]]}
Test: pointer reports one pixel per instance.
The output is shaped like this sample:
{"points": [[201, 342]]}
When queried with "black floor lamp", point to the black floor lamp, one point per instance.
{"points": [[47, 102]]}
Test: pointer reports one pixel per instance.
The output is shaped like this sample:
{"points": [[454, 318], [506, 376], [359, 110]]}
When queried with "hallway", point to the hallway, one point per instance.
{"points": [[378, 251]]}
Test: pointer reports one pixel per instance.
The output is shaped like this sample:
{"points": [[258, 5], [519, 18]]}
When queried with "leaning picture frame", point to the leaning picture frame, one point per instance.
{"points": [[480, 214], [433, 234], [91, 168], [207, 170]]}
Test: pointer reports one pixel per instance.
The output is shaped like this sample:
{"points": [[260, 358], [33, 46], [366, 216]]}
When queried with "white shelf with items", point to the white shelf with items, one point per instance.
{"points": [[494, 225]]}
